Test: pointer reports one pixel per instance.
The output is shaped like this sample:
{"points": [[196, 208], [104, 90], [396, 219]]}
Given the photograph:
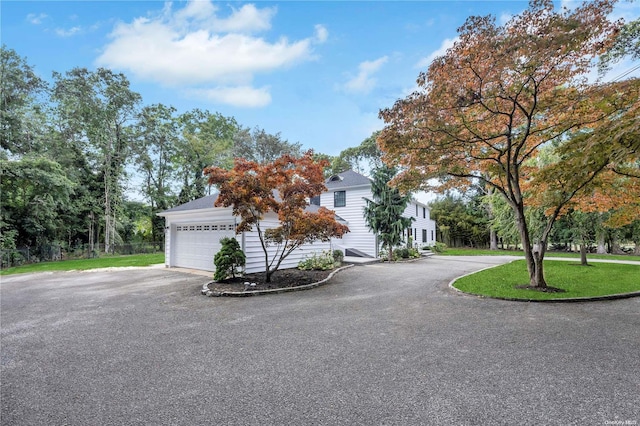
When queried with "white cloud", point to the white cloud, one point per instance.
{"points": [[64, 32], [247, 19], [240, 96], [194, 46], [364, 82], [321, 34], [446, 44], [36, 19]]}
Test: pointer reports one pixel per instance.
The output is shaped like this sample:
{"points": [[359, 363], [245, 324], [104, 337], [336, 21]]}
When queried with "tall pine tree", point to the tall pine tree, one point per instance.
{"points": [[383, 214]]}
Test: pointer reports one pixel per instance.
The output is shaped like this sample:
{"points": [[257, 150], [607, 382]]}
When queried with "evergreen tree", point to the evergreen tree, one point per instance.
{"points": [[383, 214], [229, 260]]}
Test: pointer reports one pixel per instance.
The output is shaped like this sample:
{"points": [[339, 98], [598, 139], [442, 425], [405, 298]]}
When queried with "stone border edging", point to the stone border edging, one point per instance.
{"points": [[210, 293], [563, 300]]}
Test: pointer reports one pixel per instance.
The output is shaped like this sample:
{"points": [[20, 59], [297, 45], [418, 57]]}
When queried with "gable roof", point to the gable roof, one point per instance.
{"points": [[208, 201], [346, 179], [199, 204]]}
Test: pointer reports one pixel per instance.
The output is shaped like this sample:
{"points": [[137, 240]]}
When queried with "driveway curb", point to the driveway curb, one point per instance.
{"points": [[210, 293]]}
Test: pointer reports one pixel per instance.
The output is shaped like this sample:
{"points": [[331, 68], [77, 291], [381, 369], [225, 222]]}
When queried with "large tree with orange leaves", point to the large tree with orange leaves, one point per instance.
{"points": [[284, 187], [485, 109]]}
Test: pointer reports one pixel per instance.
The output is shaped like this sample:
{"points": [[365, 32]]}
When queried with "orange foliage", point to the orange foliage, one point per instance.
{"points": [[284, 187], [486, 109]]}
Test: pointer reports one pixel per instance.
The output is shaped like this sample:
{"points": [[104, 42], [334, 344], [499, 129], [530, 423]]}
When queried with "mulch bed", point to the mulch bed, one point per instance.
{"points": [[284, 278]]}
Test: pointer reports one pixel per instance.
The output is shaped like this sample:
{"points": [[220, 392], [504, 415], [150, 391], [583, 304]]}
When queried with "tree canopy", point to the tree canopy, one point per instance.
{"points": [[485, 109]]}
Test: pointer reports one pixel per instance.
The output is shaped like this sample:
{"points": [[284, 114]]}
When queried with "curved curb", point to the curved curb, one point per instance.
{"points": [[563, 300], [210, 293]]}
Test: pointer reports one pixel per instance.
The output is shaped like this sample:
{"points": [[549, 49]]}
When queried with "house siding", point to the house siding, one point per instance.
{"points": [[359, 236], [249, 241], [255, 254], [420, 223]]}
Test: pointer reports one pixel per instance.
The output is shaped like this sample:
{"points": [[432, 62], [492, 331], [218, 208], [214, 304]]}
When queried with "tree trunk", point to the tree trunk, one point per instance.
{"points": [[493, 240], [600, 237], [583, 254], [537, 278], [534, 255]]}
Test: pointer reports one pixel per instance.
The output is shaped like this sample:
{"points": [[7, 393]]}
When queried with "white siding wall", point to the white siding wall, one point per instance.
{"points": [[423, 222], [255, 254], [249, 241], [359, 237]]}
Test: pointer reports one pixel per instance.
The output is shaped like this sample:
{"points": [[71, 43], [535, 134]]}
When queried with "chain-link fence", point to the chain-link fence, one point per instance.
{"points": [[53, 252]]}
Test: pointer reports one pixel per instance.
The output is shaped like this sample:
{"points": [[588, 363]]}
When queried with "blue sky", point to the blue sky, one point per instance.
{"points": [[318, 72]]}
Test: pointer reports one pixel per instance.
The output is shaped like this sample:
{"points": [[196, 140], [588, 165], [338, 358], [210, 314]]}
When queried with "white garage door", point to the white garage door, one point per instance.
{"points": [[196, 244]]}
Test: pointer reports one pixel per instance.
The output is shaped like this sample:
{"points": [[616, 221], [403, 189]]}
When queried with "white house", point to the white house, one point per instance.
{"points": [[346, 196], [193, 230]]}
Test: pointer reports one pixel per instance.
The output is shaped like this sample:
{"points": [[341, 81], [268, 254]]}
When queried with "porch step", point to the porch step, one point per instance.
{"points": [[356, 253]]}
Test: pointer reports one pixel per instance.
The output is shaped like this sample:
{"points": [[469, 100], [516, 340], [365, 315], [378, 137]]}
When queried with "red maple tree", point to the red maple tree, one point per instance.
{"points": [[283, 187]]}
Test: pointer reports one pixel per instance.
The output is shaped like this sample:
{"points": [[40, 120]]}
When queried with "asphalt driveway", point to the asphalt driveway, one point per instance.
{"points": [[382, 344]]}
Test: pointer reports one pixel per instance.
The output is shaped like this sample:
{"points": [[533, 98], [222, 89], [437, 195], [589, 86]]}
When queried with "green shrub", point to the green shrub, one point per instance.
{"points": [[229, 260], [414, 253], [319, 262], [401, 253], [338, 256], [438, 247]]}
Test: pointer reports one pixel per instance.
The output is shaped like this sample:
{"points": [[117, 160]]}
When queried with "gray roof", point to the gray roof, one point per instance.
{"points": [[341, 180], [346, 180], [208, 201], [201, 203]]}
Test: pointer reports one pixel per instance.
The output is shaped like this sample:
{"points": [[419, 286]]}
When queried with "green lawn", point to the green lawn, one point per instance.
{"points": [[600, 279], [480, 252], [84, 264]]}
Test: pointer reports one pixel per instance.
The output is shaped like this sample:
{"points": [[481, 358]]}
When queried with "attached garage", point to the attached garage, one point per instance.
{"points": [[196, 244], [193, 232]]}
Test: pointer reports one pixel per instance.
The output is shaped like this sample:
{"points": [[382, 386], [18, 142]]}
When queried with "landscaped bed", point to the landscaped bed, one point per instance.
{"points": [[281, 279], [572, 279]]}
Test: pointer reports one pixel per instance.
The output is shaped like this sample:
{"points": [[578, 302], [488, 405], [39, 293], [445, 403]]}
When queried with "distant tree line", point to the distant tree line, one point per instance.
{"points": [[73, 150]]}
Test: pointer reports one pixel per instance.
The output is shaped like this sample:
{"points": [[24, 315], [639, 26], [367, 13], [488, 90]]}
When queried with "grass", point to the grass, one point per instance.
{"points": [[600, 279], [84, 264], [481, 252]]}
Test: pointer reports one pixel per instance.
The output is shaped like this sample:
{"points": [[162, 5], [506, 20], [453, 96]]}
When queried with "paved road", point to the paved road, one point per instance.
{"points": [[383, 344]]}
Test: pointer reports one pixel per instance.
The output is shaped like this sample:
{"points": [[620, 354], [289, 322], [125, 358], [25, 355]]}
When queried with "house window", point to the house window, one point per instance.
{"points": [[424, 235], [432, 239], [339, 199], [315, 201], [416, 210], [424, 212]]}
